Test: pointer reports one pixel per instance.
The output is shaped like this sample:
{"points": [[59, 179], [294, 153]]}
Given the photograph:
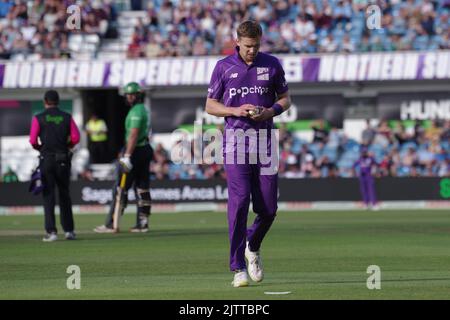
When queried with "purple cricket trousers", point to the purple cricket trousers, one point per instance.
{"points": [[367, 187], [244, 180]]}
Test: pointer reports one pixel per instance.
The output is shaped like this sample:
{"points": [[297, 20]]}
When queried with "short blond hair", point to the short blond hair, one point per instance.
{"points": [[249, 29]]}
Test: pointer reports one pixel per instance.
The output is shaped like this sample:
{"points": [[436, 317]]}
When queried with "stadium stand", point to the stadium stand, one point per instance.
{"points": [[36, 29], [417, 151], [131, 29]]}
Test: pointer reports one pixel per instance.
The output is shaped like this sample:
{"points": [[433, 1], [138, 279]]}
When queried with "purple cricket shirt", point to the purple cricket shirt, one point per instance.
{"points": [[365, 165], [235, 83]]}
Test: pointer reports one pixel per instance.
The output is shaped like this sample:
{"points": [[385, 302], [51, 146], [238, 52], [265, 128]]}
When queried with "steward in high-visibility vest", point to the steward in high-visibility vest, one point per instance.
{"points": [[98, 139]]}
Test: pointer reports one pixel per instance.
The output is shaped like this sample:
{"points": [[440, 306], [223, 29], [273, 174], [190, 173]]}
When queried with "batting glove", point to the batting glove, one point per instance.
{"points": [[125, 162]]}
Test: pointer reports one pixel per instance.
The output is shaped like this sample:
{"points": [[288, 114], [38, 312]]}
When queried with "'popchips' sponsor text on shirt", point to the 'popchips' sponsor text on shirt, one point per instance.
{"points": [[235, 83]]}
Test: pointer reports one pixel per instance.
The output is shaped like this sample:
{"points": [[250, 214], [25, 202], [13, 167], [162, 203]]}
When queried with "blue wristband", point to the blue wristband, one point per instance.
{"points": [[278, 109]]}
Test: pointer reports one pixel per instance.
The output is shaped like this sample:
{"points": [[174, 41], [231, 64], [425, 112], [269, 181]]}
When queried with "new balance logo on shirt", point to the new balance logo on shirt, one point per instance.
{"points": [[234, 75]]}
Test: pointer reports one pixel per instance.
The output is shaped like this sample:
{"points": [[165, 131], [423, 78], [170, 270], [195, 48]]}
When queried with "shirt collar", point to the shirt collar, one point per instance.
{"points": [[238, 58]]}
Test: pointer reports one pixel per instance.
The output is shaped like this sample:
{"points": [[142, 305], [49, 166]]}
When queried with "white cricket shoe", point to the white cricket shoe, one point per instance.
{"points": [[50, 237], [255, 269], [240, 279], [138, 229], [70, 235], [104, 229]]}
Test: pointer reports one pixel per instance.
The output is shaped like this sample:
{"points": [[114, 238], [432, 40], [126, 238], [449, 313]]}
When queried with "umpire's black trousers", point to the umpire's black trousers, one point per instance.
{"points": [[55, 169]]}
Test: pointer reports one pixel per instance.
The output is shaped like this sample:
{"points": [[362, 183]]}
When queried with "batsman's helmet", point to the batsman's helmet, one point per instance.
{"points": [[132, 87]]}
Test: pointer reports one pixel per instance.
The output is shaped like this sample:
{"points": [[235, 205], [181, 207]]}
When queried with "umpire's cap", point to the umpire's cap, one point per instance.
{"points": [[51, 97], [132, 87]]}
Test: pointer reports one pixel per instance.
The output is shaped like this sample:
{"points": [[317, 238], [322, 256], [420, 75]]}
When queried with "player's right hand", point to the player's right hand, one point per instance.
{"points": [[243, 110]]}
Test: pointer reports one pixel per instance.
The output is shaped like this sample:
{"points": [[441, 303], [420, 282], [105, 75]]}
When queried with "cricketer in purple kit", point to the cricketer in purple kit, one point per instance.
{"points": [[366, 163], [240, 83]]}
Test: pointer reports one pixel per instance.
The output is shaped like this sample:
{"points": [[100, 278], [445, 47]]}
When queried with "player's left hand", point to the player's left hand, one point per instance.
{"points": [[125, 162], [264, 114]]}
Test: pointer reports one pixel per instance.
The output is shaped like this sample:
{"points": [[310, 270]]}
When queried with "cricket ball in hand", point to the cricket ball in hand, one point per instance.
{"points": [[255, 111]]}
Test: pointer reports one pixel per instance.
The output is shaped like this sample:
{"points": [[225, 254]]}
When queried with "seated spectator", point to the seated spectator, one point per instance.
{"points": [[281, 10], [91, 25], [4, 54], [443, 168], [262, 12], [410, 160], [292, 168], [433, 132], [20, 45], [426, 160], [347, 46], [5, 7], [285, 135], [368, 134], [419, 133], [435, 146], [365, 45], [320, 132], [160, 171], [213, 171], [303, 27], [384, 134], [342, 12], [386, 167], [328, 44], [445, 135], [327, 167], [160, 155], [427, 22], [307, 165], [323, 19], [199, 49], [134, 48], [401, 135]]}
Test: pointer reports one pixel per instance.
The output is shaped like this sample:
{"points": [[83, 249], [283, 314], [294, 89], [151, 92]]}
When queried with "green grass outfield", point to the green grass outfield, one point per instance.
{"points": [[315, 255]]}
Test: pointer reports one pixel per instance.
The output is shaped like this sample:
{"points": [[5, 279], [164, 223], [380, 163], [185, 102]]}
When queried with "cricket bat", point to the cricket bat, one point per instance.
{"points": [[118, 210]]}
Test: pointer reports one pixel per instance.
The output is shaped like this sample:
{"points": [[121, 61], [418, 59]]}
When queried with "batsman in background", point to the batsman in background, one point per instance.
{"points": [[134, 166], [248, 88]]}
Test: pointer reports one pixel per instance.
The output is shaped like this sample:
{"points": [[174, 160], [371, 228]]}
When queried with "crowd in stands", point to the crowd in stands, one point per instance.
{"points": [[39, 27], [183, 28], [400, 149], [203, 27], [421, 150]]}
